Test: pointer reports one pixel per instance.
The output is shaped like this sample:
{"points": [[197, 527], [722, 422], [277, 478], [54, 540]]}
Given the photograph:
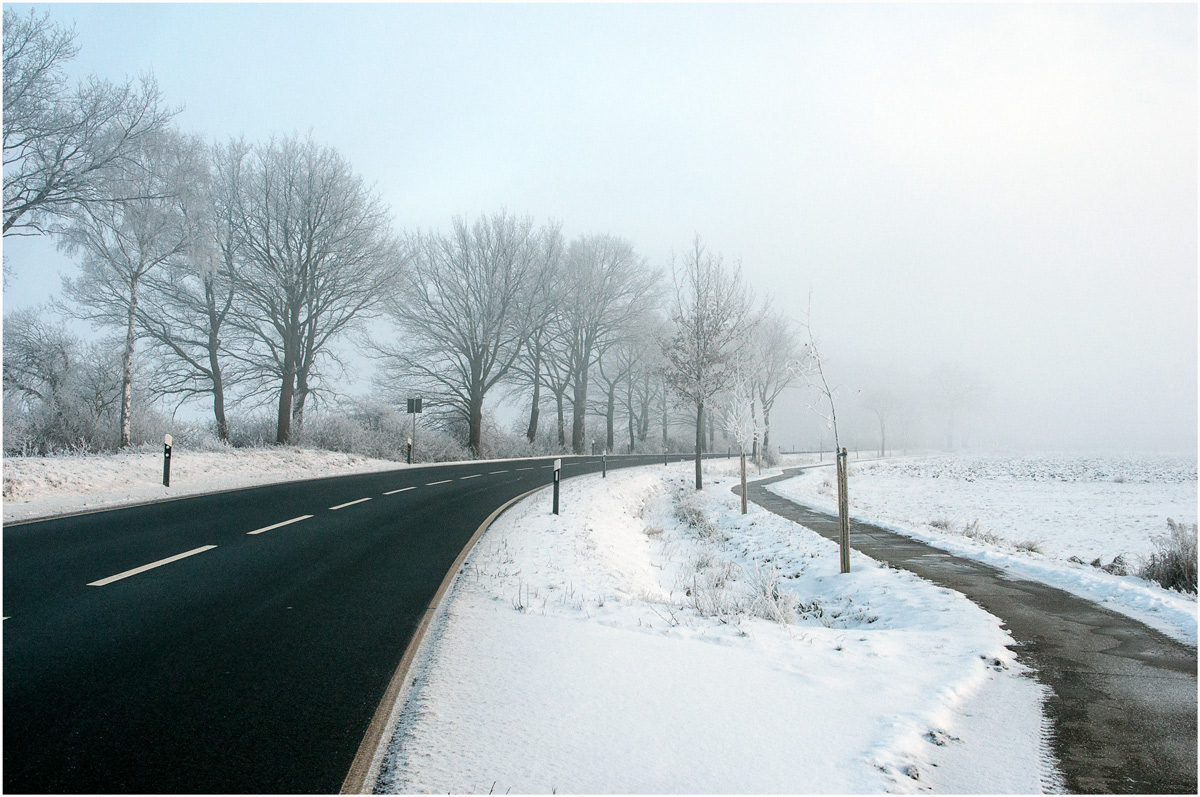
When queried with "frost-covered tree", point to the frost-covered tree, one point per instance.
{"points": [[59, 391], [61, 143], [459, 321], [779, 361], [882, 404], [120, 243], [607, 287], [956, 391], [538, 305], [189, 301], [712, 313], [317, 257]]}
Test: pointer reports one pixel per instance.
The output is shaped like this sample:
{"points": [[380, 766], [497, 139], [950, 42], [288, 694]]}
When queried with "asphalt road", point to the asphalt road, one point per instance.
{"points": [[252, 657], [1123, 696]]}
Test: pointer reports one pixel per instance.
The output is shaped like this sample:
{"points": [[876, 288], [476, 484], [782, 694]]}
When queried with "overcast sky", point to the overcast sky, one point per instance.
{"points": [[1009, 188]]}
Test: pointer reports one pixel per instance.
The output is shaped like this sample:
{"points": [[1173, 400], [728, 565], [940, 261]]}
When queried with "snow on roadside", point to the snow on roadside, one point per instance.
{"points": [[1086, 507], [652, 639], [44, 486]]}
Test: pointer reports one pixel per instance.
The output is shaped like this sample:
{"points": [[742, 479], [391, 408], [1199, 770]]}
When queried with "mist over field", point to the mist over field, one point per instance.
{"points": [[990, 210]]}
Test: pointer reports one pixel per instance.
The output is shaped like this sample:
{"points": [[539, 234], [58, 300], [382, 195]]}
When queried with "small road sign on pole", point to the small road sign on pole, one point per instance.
{"points": [[414, 406]]}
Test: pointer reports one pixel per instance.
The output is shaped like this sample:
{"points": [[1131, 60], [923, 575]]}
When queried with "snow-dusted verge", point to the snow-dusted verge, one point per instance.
{"points": [[651, 639], [41, 486], [1030, 515]]}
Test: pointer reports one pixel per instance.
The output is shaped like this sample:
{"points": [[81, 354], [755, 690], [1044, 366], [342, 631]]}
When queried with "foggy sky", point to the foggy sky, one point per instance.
{"points": [[1009, 189]]}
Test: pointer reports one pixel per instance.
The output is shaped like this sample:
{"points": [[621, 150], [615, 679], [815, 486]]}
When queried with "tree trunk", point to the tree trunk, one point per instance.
{"points": [[218, 398], [299, 400], [664, 418], [562, 422], [766, 430], [535, 410], [611, 417], [629, 411], [578, 411], [127, 367], [699, 443], [287, 390], [475, 425], [214, 363]]}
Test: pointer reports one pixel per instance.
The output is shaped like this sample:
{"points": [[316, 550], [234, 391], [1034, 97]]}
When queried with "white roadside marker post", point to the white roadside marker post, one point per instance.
{"points": [[604, 465], [557, 478], [166, 460]]}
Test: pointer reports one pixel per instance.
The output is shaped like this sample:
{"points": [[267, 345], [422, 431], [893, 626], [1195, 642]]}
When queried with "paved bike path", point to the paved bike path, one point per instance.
{"points": [[1123, 696]]}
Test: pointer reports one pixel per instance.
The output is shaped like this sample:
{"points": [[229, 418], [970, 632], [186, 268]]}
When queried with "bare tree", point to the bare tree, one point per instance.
{"points": [[60, 143], [121, 243], [608, 286], [882, 404], [712, 313], [58, 390], [459, 316], [613, 368], [318, 257], [188, 302], [956, 390], [538, 305], [556, 376], [779, 360]]}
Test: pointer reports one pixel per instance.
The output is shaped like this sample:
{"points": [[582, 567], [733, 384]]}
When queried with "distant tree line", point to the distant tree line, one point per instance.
{"points": [[232, 273]]}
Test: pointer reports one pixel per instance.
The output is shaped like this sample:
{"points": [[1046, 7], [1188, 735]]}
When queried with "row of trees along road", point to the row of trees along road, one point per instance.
{"points": [[240, 267]]}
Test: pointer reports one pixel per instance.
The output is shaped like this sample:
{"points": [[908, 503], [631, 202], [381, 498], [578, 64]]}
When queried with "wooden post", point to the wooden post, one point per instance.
{"points": [[844, 509], [744, 508]]}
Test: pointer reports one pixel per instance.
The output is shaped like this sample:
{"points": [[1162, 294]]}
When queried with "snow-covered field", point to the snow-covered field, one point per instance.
{"points": [[1044, 517], [42, 486], [651, 639]]}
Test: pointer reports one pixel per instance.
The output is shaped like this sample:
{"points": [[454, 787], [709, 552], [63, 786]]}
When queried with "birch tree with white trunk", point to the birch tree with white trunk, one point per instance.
{"points": [[119, 244]]}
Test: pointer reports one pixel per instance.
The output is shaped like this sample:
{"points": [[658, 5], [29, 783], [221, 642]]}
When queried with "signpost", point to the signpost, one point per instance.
{"points": [[414, 406], [166, 460], [557, 479]]}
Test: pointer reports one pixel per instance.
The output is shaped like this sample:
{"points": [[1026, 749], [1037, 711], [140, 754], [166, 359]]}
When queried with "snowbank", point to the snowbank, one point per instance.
{"points": [[651, 639], [1031, 515], [42, 486]]}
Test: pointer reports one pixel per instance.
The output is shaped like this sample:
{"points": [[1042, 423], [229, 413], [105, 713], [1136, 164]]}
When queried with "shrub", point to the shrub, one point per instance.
{"points": [[1173, 564]]}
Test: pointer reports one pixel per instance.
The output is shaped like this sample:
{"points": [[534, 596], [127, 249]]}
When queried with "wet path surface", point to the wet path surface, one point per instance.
{"points": [[1123, 702]]}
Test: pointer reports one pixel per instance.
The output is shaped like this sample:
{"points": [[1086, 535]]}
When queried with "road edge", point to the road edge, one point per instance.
{"points": [[364, 770]]}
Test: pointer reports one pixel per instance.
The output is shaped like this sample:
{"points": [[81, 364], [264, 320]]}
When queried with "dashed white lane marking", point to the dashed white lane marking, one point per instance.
{"points": [[106, 581], [443, 481], [277, 525], [351, 503], [401, 490], [494, 472], [524, 468], [472, 476]]}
